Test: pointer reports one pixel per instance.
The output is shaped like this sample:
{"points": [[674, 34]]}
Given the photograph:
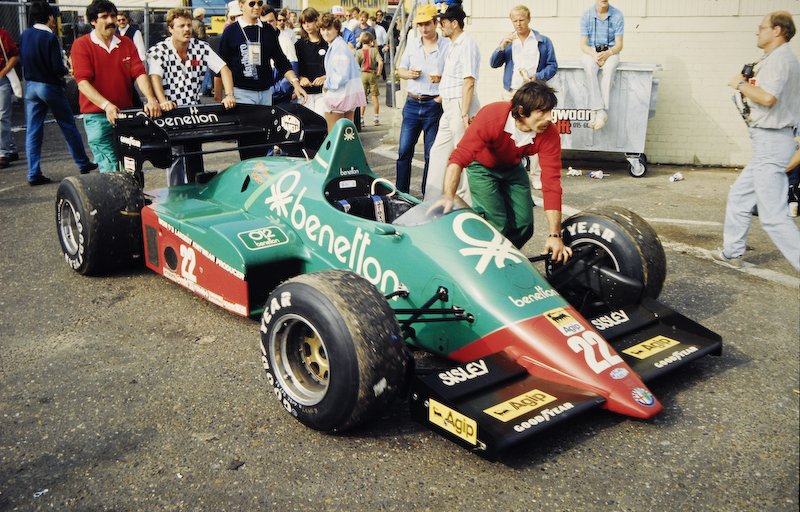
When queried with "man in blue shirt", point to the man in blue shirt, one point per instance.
{"points": [[602, 30], [421, 64], [527, 55], [43, 66]]}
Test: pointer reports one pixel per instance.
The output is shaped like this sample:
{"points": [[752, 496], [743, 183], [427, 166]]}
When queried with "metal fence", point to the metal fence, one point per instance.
{"points": [[73, 23]]}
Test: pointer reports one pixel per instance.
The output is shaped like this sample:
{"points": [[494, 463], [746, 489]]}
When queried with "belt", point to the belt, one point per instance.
{"points": [[420, 97]]}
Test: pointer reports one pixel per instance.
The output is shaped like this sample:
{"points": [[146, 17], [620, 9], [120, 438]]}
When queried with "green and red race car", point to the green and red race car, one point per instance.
{"points": [[350, 278]]}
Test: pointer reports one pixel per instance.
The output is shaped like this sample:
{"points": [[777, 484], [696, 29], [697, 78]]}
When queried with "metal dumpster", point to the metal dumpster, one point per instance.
{"points": [[633, 102]]}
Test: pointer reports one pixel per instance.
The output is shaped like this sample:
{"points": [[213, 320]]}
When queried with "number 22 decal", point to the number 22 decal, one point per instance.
{"points": [[188, 262], [590, 343]]}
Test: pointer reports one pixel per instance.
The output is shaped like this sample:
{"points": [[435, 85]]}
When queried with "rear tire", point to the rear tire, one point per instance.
{"points": [[332, 349], [622, 240], [98, 219]]}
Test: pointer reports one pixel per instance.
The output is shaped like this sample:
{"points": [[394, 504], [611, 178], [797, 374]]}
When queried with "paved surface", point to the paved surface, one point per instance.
{"points": [[129, 393]]}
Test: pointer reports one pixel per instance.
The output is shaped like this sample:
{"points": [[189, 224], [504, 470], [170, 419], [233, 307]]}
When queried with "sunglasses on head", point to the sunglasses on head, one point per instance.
{"points": [[255, 3]]}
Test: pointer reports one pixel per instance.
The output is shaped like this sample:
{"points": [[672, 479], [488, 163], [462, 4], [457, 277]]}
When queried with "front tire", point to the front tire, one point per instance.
{"points": [[332, 349], [619, 239], [98, 219]]}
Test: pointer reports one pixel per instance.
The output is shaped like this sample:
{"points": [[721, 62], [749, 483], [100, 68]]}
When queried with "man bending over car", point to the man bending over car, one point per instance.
{"points": [[492, 149]]}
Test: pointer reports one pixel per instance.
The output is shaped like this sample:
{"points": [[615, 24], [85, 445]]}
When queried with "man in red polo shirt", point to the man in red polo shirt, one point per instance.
{"points": [[492, 149], [104, 66]]}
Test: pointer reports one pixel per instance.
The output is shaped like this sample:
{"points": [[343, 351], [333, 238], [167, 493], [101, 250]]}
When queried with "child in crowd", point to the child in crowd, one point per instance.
{"points": [[371, 64]]}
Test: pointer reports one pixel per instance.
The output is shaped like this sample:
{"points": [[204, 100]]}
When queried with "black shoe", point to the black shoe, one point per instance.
{"points": [[40, 180], [92, 166], [13, 157], [3, 162]]}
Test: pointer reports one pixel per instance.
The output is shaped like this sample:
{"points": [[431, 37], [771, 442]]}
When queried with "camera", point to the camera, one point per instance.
{"points": [[747, 71], [601, 48]]}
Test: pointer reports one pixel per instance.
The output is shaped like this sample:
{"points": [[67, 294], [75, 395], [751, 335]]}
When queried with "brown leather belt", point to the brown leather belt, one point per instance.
{"points": [[420, 97]]}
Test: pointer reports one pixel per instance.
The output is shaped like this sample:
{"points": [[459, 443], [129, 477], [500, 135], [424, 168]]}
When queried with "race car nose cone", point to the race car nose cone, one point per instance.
{"points": [[637, 401]]}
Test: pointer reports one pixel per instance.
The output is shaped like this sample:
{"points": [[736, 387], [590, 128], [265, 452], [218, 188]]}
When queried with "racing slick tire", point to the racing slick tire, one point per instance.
{"points": [[618, 239], [332, 349], [98, 219]]}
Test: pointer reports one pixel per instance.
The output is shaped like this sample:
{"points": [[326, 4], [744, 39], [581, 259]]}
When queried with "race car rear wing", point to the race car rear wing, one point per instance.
{"points": [[181, 133]]}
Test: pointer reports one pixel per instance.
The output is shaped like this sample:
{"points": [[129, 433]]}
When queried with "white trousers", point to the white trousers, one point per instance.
{"points": [[451, 129], [598, 80]]}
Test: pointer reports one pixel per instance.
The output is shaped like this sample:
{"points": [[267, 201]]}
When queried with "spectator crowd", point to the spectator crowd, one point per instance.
{"points": [[333, 62]]}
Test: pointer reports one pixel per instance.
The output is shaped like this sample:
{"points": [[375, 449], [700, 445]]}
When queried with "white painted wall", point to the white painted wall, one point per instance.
{"points": [[700, 44]]}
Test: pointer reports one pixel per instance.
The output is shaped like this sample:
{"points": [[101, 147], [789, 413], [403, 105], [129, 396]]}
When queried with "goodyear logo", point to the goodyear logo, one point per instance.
{"points": [[519, 405], [651, 347], [564, 322], [453, 421], [263, 238]]}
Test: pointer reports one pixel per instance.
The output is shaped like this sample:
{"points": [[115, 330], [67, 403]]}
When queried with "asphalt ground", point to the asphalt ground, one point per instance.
{"points": [[129, 393]]}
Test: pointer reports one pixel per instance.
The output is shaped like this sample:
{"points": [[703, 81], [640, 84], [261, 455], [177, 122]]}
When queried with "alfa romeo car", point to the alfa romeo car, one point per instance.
{"points": [[351, 279]]}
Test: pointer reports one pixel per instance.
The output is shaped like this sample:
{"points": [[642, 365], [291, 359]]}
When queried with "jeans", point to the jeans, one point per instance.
{"points": [[249, 97], [100, 135], [418, 116], [599, 87], [503, 197], [208, 82], [39, 97], [763, 183], [7, 145]]}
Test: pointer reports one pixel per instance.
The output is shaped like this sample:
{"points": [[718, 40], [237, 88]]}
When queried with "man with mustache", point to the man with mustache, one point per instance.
{"points": [[491, 150], [104, 66]]}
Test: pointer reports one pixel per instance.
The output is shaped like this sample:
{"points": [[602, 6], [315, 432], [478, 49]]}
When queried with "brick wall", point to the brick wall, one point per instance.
{"points": [[700, 45]]}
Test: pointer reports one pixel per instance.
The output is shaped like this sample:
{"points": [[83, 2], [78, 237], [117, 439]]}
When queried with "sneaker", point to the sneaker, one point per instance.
{"points": [[719, 257], [40, 180], [86, 170], [600, 120], [376, 121], [3, 162]]}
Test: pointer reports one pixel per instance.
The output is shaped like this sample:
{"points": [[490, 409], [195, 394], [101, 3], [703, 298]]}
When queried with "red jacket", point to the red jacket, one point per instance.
{"points": [[112, 74], [487, 143]]}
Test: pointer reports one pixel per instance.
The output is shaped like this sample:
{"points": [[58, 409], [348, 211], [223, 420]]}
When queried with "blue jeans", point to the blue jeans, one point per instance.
{"points": [[39, 97], [7, 145], [418, 116], [249, 97], [763, 183]]}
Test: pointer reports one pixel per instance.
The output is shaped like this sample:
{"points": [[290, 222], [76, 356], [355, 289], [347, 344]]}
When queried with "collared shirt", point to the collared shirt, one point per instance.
{"points": [[519, 137], [778, 73], [602, 32], [115, 41], [428, 63], [525, 55], [182, 80], [137, 38], [463, 60]]}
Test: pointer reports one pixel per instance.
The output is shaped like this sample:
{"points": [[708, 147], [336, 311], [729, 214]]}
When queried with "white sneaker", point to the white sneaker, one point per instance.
{"points": [[600, 120]]}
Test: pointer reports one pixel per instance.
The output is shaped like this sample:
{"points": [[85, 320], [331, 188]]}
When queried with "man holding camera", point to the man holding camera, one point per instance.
{"points": [[602, 29], [769, 102]]}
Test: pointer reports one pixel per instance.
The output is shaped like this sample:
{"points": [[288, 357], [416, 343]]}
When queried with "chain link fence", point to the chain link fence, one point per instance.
{"points": [[73, 23]]}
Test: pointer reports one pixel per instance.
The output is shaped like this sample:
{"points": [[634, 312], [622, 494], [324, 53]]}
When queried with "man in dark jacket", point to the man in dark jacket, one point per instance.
{"points": [[44, 67]]}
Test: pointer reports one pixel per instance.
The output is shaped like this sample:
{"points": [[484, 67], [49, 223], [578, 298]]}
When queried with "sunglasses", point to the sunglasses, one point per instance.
{"points": [[254, 3], [281, 19]]}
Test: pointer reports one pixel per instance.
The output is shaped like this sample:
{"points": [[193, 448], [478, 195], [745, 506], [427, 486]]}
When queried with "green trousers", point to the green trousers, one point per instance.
{"points": [[100, 135], [503, 197]]}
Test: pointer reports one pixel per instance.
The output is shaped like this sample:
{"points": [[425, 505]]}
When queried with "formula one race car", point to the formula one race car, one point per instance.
{"points": [[349, 277]]}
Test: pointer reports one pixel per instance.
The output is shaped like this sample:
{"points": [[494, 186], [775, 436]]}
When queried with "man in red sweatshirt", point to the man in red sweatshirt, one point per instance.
{"points": [[492, 149], [105, 66]]}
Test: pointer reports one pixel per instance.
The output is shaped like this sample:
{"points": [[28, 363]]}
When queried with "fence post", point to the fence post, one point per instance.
{"points": [[23, 20], [146, 23]]}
